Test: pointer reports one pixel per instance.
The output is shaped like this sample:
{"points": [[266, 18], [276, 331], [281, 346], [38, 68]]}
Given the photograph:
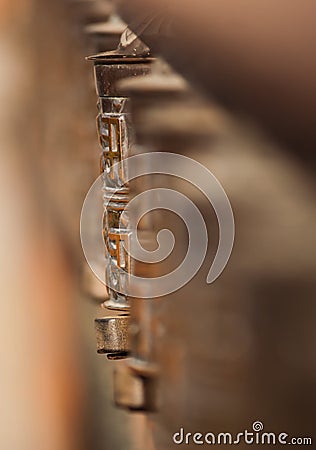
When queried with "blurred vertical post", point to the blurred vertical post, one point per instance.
{"points": [[40, 379]]}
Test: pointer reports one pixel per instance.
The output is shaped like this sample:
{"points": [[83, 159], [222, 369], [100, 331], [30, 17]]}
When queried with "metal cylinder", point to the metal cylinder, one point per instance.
{"points": [[111, 333], [116, 137]]}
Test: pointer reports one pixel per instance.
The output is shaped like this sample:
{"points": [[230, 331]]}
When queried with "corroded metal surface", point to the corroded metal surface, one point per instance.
{"points": [[111, 335]]}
